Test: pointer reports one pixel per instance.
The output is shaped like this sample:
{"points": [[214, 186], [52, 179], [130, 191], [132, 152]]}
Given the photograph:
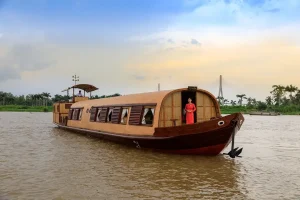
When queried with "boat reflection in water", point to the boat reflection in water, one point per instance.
{"points": [[164, 176]]}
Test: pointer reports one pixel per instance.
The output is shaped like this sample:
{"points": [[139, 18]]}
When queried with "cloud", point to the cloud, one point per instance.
{"points": [[195, 42], [139, 77], [171, 41], [21, 58], [8, 73], [273, 10]]}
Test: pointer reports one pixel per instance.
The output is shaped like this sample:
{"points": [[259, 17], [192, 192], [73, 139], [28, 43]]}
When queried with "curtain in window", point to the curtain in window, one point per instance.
{"points": [[98, 115], [110, 111], [124, 111], [152, 110], [145, 113]]}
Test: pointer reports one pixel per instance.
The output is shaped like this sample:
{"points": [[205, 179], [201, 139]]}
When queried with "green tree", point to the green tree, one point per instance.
{"points": [[291, 89], [277, 92], [269, 100], [241, 96], [261, 105], [233, 103]]}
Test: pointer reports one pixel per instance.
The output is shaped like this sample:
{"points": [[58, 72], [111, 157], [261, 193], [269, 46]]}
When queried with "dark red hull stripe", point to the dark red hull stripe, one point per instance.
{"points": [[209, 143]]}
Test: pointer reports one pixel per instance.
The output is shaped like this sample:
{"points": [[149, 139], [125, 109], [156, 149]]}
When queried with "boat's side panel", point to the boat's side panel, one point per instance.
{"points": [[60, 112], [206, 108], [171, 102], [55, 113], [209, 143], [171, 109], [206, 126], [115, 127]]}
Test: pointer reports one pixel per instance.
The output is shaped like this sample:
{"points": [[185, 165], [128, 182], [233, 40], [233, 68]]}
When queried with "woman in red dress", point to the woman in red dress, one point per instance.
{"points": [[190, 108]]}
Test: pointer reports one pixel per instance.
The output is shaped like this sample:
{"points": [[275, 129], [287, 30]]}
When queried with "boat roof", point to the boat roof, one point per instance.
{"points": [[145, 98], [139, 98], [84, 87]]}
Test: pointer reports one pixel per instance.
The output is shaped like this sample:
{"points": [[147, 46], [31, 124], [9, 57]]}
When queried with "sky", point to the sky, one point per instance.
{"points": [[130, 46]]}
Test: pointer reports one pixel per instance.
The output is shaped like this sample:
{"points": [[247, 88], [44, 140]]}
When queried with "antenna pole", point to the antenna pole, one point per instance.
{"points": [[220, 96], [158, 87], [75, 78]]}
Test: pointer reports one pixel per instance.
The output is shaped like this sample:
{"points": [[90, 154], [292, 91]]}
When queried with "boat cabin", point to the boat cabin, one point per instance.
{"points": [[137, 114], [61, 109]]}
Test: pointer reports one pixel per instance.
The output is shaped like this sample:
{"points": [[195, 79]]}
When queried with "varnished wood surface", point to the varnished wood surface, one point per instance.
{"points": [[191, 137]]}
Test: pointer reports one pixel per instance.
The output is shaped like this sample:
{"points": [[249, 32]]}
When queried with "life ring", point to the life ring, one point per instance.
{"points": [[221, 123]]}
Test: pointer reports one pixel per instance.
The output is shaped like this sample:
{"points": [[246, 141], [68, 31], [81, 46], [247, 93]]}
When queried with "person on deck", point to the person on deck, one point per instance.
{"points": [[190, 108], [79, 94]]}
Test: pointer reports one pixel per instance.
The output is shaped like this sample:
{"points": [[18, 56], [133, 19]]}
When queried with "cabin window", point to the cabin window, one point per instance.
{"points": [[93, 114], [80, 114], [135, 115], [115, 117], [148, 115], [70, 114], [57, 108], [75, 114], [141, 115], [68, 106], [103, 113], [124, 116], [109, 115], [98, 114]]}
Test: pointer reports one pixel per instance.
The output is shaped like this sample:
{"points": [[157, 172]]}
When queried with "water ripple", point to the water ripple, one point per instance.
{"points": [[39, 161]]}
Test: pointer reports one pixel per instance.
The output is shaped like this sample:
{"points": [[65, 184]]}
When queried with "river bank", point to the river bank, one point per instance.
{"points": [[283, 110], [224, 109], [17, 108]]}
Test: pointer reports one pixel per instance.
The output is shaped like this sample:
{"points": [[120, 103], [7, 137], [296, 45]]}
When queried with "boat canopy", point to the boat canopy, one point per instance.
{"points": [[84, 87]]}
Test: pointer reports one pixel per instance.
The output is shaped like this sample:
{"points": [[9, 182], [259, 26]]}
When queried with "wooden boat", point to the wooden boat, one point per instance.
{"points": [[153, 120]]}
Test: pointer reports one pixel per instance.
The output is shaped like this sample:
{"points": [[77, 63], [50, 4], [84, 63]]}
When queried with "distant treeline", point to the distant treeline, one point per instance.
{"points": [[284, 99], [42, 99]]}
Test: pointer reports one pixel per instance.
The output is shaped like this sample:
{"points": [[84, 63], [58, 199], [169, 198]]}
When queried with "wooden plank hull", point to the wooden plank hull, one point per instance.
{"points": [[202, 138]]}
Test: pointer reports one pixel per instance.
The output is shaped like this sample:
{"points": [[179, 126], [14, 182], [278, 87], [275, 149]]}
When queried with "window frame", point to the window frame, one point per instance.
{"points": [[78, 115], [128, 115], [142, 115], [134, 116], [135, 120], [107, 114]]}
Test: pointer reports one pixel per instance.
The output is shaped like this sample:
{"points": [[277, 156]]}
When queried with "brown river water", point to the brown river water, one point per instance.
{"points": [[40, 161]]}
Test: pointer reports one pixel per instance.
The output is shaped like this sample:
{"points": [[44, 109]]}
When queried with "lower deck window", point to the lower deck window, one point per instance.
{"points": [[98, 115], [110, 111], [148, 116], [141, 115], [124, 116], [80, 114], [76, 113]]}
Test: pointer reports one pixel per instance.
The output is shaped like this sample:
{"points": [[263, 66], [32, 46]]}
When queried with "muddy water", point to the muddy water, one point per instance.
{"points": [[39, 161]]}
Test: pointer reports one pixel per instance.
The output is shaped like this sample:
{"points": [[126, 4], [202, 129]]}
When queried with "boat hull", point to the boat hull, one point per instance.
{"points": [[202, 138]]}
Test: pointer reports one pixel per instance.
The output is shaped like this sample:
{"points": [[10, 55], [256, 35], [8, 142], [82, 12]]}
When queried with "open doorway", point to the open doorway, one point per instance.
{"points": [[184, 100]]}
